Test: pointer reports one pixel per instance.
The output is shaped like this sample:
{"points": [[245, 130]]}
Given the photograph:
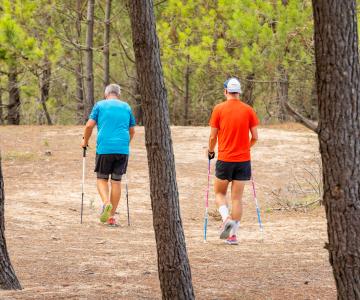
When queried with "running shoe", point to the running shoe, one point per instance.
{"points": [[226, 227], [105, 215], [112, 222], [232, 240]]}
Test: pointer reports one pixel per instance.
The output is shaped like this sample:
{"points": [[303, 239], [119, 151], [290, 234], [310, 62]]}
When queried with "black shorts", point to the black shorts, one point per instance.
{"points": [[114, 164], [233, 170]]}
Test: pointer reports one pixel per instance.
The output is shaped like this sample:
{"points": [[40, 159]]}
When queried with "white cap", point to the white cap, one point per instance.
{"points": [[233, 86]]}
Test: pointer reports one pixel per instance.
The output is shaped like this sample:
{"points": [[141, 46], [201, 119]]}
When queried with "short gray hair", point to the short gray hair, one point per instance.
{"points": [[113, 89]]}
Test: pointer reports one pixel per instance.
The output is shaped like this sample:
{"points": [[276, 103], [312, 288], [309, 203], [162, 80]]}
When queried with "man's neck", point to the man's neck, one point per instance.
{"points": [[232, 98], [112, 96]]}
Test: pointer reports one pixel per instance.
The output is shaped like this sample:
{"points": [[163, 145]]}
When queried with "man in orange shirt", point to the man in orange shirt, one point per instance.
{"points": [[231, 122]]}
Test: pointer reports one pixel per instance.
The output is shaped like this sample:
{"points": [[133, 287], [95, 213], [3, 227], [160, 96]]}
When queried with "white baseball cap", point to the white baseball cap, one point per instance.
{"points": [[233, 85]]}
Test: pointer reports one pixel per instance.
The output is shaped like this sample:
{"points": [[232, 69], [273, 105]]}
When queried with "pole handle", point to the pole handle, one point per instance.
{"points": [[84, 151]]}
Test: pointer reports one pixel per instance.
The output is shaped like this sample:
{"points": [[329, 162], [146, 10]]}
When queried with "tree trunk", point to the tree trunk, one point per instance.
{"points": [[1, 108], [79, 66], [8, 279], [14, 97], [187, 94], [283, 94], [106, 51], [173, 263], [338, 78], [249, 87], [45, 78], [138, 109], [89, 103]]}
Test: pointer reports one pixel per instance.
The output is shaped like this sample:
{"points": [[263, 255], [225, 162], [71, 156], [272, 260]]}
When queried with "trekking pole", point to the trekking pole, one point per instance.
{"points": [[127, 199], [257, 206], [207, 203], [82, 185]]}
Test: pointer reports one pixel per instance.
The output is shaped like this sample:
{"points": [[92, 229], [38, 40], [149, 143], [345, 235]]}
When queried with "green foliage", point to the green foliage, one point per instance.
{"points": [[27, 41], [233, 37], [205, 41]]}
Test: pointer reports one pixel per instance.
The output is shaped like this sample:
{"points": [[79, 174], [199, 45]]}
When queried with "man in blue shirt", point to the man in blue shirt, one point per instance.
{"points": [[115, 124]]}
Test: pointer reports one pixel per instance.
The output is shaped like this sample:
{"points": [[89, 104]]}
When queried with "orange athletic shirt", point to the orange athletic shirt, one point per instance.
{"points": [[233, 118]]}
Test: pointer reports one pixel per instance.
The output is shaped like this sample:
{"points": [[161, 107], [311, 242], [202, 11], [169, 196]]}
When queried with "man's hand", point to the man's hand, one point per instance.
{"points": [[84, 144], [211, 155], [212, 142]]}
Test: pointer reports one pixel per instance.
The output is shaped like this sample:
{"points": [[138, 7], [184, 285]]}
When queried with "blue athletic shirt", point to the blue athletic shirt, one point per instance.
{"points": [[113, 118]]}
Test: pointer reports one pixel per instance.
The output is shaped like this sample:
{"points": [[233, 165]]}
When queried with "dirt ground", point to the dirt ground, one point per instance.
{"points": [[57, 258]]}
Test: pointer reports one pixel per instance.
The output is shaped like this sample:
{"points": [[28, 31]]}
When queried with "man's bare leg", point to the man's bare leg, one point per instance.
{"points": [[220, 188], [115, 195], [237, 191], [221, 202], [103, 189]]}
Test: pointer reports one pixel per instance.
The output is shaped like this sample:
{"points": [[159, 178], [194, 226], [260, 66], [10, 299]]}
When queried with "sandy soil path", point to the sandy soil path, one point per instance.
{"points": [[57, 258]]}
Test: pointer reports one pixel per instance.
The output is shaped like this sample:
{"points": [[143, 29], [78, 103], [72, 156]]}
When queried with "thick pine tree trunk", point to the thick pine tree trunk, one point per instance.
{"points": [[45, 88], [173, 263], [106, 50], [8, 279], [79, 74], [89, 103], [338, 79], [14, 97], [138, 109]]}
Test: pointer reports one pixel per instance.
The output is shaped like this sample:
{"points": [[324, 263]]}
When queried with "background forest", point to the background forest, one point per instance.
{"points": [[56, 57]]}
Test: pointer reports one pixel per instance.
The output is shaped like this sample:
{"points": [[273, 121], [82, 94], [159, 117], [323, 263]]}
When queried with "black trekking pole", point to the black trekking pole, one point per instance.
{"points": [[82, 185]]}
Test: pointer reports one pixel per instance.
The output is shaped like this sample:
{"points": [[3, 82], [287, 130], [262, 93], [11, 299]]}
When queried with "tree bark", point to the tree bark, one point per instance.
{"points": [[8, 279], [173, 263], [89, 103], [45, 78], [249, 87], [1, 108], [106, 50], [14, 97], [138, 109], [283, 93], [187, 94], [338, 78], [79, 66]]}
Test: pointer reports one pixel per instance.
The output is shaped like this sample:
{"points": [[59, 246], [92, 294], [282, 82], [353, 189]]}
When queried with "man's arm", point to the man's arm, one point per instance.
{"points": [[213, 139], [90, 124], [131, 132], [254, 136]]}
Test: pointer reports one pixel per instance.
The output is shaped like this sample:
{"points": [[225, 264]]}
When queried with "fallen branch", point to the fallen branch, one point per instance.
{"points": [[301, 119]]}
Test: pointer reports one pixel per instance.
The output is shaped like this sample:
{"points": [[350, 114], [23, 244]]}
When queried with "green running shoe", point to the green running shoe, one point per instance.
{"points": [[105, 215]]}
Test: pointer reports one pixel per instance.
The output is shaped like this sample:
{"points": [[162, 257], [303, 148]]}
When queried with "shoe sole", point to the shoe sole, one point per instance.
{"points": [[231, 243], [106, 213], [226, 232]]}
